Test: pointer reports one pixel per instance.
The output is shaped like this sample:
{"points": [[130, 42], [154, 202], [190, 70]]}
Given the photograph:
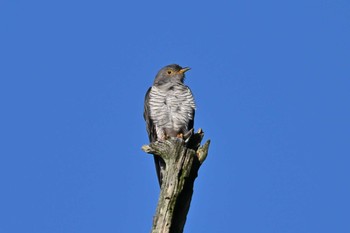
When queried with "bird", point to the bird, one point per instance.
{"points": [[169, 109]]}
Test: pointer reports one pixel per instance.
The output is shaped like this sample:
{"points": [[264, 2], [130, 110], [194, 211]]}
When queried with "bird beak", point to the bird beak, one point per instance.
{"points": [[183, 70]]}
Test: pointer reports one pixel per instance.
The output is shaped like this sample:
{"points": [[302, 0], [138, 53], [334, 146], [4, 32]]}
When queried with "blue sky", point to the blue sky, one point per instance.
{"points": [[271, 81]]}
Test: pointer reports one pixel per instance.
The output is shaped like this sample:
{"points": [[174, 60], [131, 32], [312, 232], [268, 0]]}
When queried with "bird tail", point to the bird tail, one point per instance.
{"points": [[160, 168]]}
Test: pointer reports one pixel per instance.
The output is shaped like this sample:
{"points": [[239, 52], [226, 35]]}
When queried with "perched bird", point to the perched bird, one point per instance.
{"points": [[168, 109]]}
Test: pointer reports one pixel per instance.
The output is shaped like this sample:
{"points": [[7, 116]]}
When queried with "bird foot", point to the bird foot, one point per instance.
{"points": [[180, 135]]}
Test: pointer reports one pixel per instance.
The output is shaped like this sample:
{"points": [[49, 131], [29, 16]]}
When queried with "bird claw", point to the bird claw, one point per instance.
{"points": [[188, 135]]}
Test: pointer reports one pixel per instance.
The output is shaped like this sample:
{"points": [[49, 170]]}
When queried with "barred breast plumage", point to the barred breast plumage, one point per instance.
{"points": [[171, 109]]}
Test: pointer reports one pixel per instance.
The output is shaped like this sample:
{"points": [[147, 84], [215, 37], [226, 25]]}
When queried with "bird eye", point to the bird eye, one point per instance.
{"points": [[169, 72]]}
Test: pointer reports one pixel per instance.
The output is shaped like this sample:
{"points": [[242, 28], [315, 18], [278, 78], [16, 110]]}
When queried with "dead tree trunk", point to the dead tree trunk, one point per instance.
{"points": [[183, 161]]}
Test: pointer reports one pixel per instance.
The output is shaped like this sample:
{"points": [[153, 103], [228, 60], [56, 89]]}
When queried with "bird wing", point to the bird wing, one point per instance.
{"points": [[191, 121], [152, 135], [151, 129]]}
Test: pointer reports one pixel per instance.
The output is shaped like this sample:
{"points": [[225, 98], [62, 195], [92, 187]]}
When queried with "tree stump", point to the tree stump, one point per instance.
{"points": [[183, 161]]}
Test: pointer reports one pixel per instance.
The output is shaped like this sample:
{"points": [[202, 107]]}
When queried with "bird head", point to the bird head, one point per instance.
{"points": [[171, 73]]}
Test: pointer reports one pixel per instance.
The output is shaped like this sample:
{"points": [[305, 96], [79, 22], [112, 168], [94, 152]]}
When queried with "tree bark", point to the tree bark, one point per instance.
{"points": [[183, 161]]}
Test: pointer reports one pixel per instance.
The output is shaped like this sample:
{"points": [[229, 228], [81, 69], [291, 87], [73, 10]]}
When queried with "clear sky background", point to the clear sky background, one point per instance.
{"points": [[272, 86]]}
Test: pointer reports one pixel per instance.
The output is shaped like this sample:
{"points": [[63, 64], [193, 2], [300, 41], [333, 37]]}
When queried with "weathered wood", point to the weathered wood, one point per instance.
{"points": [[183, 161]]}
